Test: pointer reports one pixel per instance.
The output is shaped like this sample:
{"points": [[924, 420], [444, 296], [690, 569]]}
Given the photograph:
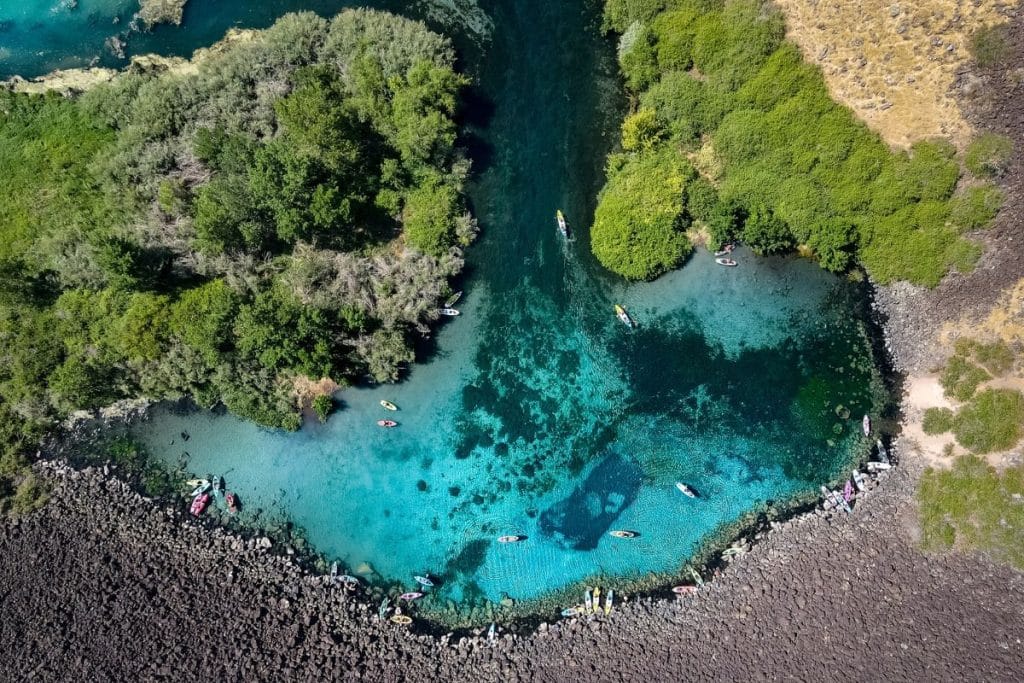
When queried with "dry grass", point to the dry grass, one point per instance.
{"points": [[1005, 321], [894, 64]]}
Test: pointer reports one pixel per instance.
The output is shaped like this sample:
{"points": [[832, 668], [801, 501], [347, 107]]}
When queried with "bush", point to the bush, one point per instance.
{"points": [[996, 357], [975, 207], [322, 406], [637, 57], [973, 506], [765, 233], [988, 155], [640, 131], [989, 45], [638, 232], [992, 421], [961, 378], [937, 421]]}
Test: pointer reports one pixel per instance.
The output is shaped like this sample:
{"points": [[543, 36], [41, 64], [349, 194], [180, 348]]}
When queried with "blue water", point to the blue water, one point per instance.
{"points": [[536, 412]]}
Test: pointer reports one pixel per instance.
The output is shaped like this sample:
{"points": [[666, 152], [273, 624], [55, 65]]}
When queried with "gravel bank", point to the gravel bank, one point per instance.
{"points": [[102, 584]]}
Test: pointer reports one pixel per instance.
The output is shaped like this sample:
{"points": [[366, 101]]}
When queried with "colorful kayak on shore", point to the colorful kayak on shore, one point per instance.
{"points": [[201, 487], [608, 602], [684, 590], [199, 504], [401, 620], [570, 612]]}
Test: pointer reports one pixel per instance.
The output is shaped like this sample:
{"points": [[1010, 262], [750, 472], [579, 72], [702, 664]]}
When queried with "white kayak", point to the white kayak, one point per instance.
{"points": [[450, 312]]}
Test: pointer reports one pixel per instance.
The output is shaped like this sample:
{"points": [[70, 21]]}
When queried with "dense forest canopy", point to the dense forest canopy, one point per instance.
{"points": [[289, 207], [767, 156]]}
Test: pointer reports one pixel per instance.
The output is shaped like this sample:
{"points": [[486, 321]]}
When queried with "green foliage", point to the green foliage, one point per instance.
{"points": [[784, 152], [961, 378], [975, 207], [429, 217], [972, 506], [637, 57], [322, 406], [146, 227], [992, 421], [989, 45], [640, 130], [638, 226], [937, 421], [988, 155], [765, 233], [996, 357]]}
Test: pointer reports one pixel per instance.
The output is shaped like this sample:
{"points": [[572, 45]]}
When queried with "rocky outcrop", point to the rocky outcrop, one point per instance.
{"points": [[161, 11]]}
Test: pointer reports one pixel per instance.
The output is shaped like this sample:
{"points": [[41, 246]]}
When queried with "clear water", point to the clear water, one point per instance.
{"points": [[536, 412]]}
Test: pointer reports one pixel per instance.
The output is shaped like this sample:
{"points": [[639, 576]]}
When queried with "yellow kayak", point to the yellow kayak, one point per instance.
{"points": [[401, 619]]}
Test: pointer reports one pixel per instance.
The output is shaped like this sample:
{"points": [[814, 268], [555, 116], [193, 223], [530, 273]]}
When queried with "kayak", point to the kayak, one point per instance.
{"points": [[401, 620], [202, 487], [562, 226], [423, 581], [835, 498], [199, 504], [623, 315], [687, 490], [512, 538], [387, 423], [726, 262], [217, 483], [684, 590], [883, 453], [588, 602], [622, 533], [389, 405], [848, 491], [867, 425], [348, 580], [490, 633], [334, 572], [453, 299], [608, 602], [450, 312], [878, 466], [597, 599], [411, 595], [725, 251], [232, 501], [570, 612], [858, 480]]}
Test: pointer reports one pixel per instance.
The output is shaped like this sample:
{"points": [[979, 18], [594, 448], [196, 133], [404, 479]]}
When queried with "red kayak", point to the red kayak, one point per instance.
{"points": [[199, 504], [386, 423], [232, 502]]}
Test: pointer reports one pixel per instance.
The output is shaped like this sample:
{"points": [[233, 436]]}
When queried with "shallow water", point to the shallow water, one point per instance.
{"points": [[538, 413]]}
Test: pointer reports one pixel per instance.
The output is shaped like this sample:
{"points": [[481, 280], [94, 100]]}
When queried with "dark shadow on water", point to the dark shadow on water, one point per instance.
{"points": [[579, 521]]}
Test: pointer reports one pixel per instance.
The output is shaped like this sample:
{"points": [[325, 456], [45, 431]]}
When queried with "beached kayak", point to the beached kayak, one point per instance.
{"points": [[199, 504], [684, 590], [401, 620]]}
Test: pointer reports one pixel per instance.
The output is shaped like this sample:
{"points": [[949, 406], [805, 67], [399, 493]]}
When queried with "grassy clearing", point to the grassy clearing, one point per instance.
{"points": [[972, 506]]}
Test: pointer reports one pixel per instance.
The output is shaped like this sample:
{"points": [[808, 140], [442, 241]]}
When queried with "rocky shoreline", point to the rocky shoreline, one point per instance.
{"points": [[135, 589]]}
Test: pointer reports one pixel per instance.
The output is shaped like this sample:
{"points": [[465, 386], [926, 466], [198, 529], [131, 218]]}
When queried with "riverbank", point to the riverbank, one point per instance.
{"points": [[129, 587]]}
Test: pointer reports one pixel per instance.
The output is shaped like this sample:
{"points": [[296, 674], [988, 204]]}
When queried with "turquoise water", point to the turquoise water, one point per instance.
{"points": [[536, 412]]}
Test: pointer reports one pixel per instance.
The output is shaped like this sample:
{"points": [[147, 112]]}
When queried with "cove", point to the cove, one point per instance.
{"points": [[536, 412]]}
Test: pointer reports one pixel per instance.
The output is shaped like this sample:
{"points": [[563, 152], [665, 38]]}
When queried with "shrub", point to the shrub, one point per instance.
{"points": [[961, 378], [765, 233], [989, 45], [637, 230], [429, 216], [637, 57], [988, 155], [975, 207], [992, 421], [322, 406], [973, 506], [640, 130], [937, 421], [996, 357]]}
